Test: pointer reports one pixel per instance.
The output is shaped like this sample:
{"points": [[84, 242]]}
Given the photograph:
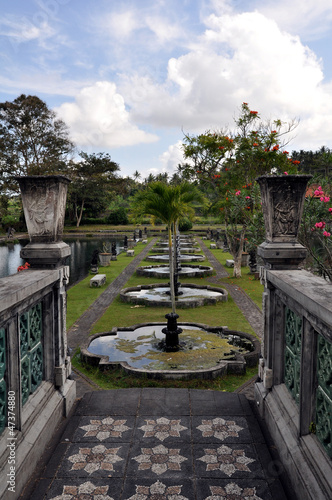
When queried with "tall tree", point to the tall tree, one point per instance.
{"points": [[33, 141], [92, 179], [225, 162], [168, 203]]}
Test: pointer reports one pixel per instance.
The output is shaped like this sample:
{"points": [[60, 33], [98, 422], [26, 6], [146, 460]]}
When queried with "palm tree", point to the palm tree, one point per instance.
{"points": [[136, 175], [168, 203]]}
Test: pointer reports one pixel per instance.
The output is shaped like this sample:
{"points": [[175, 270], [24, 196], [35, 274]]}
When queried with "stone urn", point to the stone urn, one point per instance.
{"points": [[105, 259], [44, 205], [282, 203]]}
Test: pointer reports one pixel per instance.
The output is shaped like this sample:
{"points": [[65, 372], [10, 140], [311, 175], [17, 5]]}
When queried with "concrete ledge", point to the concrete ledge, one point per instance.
{"points": [[18, 287], [310, 478], [34, 437], [311, 292]]}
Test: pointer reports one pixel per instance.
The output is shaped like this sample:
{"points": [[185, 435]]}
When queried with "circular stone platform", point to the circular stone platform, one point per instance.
{"points": [[183, 258], [187, 270], [158, 295], [182, 249]]}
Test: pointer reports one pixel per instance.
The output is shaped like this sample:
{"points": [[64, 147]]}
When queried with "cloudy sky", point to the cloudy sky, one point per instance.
{"points": [[129, 77]]}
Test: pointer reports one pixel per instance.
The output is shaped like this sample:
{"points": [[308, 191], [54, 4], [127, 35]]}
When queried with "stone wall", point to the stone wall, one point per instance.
{"points": [[35, 389], [294, 395]]}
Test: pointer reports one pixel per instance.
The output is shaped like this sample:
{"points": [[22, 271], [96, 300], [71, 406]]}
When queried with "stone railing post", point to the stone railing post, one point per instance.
{"points": [[282, 204]]}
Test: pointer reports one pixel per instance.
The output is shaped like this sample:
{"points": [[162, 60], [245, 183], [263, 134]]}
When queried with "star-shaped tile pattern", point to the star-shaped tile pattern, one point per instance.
{"points": [[232, 491], [93, 459], [162, 428], [219, 428], [226, 459], [158, 490], [86, 491], [160, 459], [105, 428]]}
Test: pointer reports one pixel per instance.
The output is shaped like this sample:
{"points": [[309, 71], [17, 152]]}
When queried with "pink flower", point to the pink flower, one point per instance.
{"points": [[330, 209], [286, 173], [237, 193], [319, 191], [320, 225], [325, 199], [326, 234], [247, 197]]}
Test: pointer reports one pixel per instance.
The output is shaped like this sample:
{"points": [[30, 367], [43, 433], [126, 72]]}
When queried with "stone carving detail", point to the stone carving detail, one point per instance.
{"points": [[285, 220], [282, 202], [44, 203]]}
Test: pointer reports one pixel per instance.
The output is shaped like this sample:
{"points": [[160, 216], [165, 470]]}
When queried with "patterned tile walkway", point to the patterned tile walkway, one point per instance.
{"points": [[160, 444]]}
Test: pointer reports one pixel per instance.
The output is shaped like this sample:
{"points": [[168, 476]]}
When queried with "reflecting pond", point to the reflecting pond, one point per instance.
{"points": [[79, 261]]}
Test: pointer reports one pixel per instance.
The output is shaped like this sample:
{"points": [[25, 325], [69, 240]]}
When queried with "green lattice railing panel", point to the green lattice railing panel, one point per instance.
{"points": [[36, 367], [25, 378], [3, 389], [35, 325], [324, 394], [31, 351], [293, 336]]}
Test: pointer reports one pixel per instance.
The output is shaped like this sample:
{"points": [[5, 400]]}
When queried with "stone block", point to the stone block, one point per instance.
{"points": [[98, 280], [267, 378], [130, 253], [59, 375], [213, 245], [229, 263]]}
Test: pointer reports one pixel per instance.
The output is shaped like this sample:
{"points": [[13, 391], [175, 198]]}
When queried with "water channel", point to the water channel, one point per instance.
{"points": [[79, 261]]}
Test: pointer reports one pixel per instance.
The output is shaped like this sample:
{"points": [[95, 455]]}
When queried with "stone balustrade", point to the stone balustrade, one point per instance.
{"points": [[35, 387], [295, 393]]}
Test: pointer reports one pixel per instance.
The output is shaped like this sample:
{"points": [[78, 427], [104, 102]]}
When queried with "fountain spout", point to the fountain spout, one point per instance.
{"points": [[172, 332]]}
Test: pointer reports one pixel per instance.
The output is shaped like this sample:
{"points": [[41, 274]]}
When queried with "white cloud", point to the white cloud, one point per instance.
{"points": [[171, 158], [308, 18], [240, 57], [98, 117], [121, 25], [21, 30]]}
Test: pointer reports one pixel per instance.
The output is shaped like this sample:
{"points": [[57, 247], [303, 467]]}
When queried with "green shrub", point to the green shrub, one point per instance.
{"points": [[185, 224], [118, 216]]}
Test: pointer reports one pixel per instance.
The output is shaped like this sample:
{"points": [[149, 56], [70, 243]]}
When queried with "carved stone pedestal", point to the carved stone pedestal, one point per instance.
{"points": [[282, 203]]}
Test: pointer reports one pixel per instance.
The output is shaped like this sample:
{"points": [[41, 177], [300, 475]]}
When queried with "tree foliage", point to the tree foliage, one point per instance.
{"points": [[168, 203], [223, 159], [32, 140], [92, 178]]}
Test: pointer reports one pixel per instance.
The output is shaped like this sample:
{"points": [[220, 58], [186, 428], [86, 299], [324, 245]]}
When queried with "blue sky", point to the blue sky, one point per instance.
{"points": [[130, 76]]}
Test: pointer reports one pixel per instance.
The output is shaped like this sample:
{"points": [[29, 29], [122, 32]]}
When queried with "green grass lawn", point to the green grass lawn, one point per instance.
{"points": [[252, 287], [80, 296], [120, 314]]}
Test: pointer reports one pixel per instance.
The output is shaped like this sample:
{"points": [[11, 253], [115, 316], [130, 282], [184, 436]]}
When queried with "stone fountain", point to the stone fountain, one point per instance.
{"points": [[184, 350]]}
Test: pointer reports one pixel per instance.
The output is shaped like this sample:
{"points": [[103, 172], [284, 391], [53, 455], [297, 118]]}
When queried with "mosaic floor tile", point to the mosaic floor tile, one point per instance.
{"points": [[104, 429], [90, 489], [238, 489], [99, 460], [163, 489], [160, 460], [220, 429], [227, 460], [163, 429]]}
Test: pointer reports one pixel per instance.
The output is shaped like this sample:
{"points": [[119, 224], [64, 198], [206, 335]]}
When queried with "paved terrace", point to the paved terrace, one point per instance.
{"points": [[174, 444]]}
